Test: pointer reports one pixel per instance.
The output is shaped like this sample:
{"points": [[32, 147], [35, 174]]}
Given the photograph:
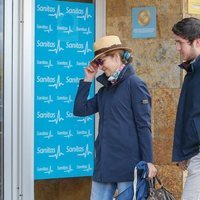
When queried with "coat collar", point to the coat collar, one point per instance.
{"points": [[191, 65], [127, 71]]}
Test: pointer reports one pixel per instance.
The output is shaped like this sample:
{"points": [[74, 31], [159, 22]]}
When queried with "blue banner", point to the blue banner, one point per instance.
{"points": [[64, 36], [144, 22]]}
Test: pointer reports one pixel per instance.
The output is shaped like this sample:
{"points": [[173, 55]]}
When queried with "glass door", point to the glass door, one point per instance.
{"points": [[1, 99]]}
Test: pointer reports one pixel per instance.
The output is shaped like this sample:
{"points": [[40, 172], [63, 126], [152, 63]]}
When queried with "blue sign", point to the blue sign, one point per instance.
{"points": [[64, 37], [144, 22]]}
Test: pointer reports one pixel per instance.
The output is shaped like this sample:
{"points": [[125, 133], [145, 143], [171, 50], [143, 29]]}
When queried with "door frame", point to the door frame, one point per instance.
{"points": [[19, 95], [18, 100]]}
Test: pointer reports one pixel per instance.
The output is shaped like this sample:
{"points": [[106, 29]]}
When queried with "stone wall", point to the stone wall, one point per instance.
{"points": [[156, 61]]}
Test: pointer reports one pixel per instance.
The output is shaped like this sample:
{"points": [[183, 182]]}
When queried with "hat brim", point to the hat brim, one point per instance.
{"points": [[113, 49]]}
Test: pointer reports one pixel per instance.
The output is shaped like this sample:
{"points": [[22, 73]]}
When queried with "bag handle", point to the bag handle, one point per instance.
{"points": [[152, 182], [158, 180]]}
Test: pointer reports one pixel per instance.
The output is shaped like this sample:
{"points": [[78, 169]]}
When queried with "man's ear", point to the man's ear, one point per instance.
{"points": [[198, 42]]}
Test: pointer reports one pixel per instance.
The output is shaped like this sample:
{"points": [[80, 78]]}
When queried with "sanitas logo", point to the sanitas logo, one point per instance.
{"points": [[72, 80], [45, 79], [81, 29], [42, 133], [46, 150], [46, 44], [76, 11], [42, 62], [46, 115], [69, 115], [65, 133], [42, 169], [43, 27], [42, 98], [81, 63], [66, 99], [45, 8], [81, 167], [62, 62], [76, 149], [62, 28], [74, 45]]}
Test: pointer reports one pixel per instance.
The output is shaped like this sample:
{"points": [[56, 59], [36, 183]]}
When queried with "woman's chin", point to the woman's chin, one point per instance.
{"points": [[107, 74]]}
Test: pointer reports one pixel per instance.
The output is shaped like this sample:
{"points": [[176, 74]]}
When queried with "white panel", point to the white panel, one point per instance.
{"points": [[18, 98], [100, 18], [28, 101], [7, 101], [100, 32], [19, 95]]}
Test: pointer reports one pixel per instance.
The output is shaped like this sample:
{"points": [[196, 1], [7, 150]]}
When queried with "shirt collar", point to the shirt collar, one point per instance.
{"points": [[126, 71], [190, 65]]}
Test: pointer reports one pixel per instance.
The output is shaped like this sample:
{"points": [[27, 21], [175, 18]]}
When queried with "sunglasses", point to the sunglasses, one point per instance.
{"points": [[99, 61]]}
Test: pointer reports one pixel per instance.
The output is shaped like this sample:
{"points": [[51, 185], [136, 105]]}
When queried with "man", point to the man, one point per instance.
{"points": [[186, 147]]}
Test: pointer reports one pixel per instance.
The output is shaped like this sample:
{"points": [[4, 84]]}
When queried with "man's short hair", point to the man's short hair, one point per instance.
{"points": [[187, 28]]}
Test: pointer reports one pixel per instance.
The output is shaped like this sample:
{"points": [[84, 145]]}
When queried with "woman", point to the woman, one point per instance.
{"points": [[124, 107]]}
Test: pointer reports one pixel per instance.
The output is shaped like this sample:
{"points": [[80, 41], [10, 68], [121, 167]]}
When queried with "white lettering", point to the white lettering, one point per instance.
{"points": [[76, 149], [48, 115], [74, 45], [45, 79], [76, 11], [47, 150], [72, 80], [45, 8], [46, 44]]}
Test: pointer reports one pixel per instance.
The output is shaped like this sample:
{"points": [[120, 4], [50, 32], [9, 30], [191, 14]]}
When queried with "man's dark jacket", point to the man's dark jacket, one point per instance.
{"points": [[187, 128], [124, 134]]}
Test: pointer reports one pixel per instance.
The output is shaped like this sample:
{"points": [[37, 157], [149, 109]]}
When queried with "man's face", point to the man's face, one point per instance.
{"points": [[187, 50]]}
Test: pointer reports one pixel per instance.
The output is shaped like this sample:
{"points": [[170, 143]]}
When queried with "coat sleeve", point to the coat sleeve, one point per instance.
{"points": [[83, 106], [141, 104]]}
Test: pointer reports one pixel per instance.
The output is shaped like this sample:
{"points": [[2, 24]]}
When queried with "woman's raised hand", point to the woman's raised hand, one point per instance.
{"points": [[90, 72]]}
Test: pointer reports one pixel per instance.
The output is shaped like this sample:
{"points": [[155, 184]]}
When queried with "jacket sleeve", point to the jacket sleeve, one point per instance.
{"points": [[83, 106], [141, 104]]}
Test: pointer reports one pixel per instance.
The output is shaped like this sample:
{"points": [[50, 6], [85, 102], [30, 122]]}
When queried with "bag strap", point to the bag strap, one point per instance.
{"points": [[152, 182], [135, 184], [159, 181]]}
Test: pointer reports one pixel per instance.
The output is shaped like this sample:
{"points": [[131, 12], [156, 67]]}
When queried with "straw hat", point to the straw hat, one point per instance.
{"points": [[107, 44]]}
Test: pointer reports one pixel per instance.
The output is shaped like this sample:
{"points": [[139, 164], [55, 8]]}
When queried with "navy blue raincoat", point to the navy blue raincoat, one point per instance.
{"points": [[187, 128], [124, 134]]}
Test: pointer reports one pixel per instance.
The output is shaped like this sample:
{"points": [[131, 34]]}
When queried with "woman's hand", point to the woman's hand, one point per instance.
{"points": [[152, 170], [90, 72]]}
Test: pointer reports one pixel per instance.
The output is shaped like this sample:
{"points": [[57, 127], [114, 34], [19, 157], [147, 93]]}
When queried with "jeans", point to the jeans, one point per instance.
{"points": [[191, 189], [106, 191]]}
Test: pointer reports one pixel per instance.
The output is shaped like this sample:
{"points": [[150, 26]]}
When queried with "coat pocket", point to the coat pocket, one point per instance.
{"points": [[196, 121]]}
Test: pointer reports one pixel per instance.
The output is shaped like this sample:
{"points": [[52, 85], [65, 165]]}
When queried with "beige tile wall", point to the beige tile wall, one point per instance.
{"points": [[156, 62]]}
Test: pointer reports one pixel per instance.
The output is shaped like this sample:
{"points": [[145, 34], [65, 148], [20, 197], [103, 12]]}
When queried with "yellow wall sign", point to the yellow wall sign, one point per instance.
{"points": [[194, 6]]}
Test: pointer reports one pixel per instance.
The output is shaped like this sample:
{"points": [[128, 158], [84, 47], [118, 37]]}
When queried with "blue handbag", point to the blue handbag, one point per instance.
{"points": [[140, 184]]}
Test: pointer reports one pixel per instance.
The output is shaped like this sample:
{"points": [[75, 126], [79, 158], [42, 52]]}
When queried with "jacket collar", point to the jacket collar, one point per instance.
{"points": [[127, 71], [191, 65]]}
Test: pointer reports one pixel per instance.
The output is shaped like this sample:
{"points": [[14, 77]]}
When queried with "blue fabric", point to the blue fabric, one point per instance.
{"points": [[142, 184], [124, 133], [187, 129]]}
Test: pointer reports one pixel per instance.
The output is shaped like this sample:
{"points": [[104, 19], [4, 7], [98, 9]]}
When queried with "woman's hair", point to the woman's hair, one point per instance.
{"points": [[187, 28], [125, 56]]}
